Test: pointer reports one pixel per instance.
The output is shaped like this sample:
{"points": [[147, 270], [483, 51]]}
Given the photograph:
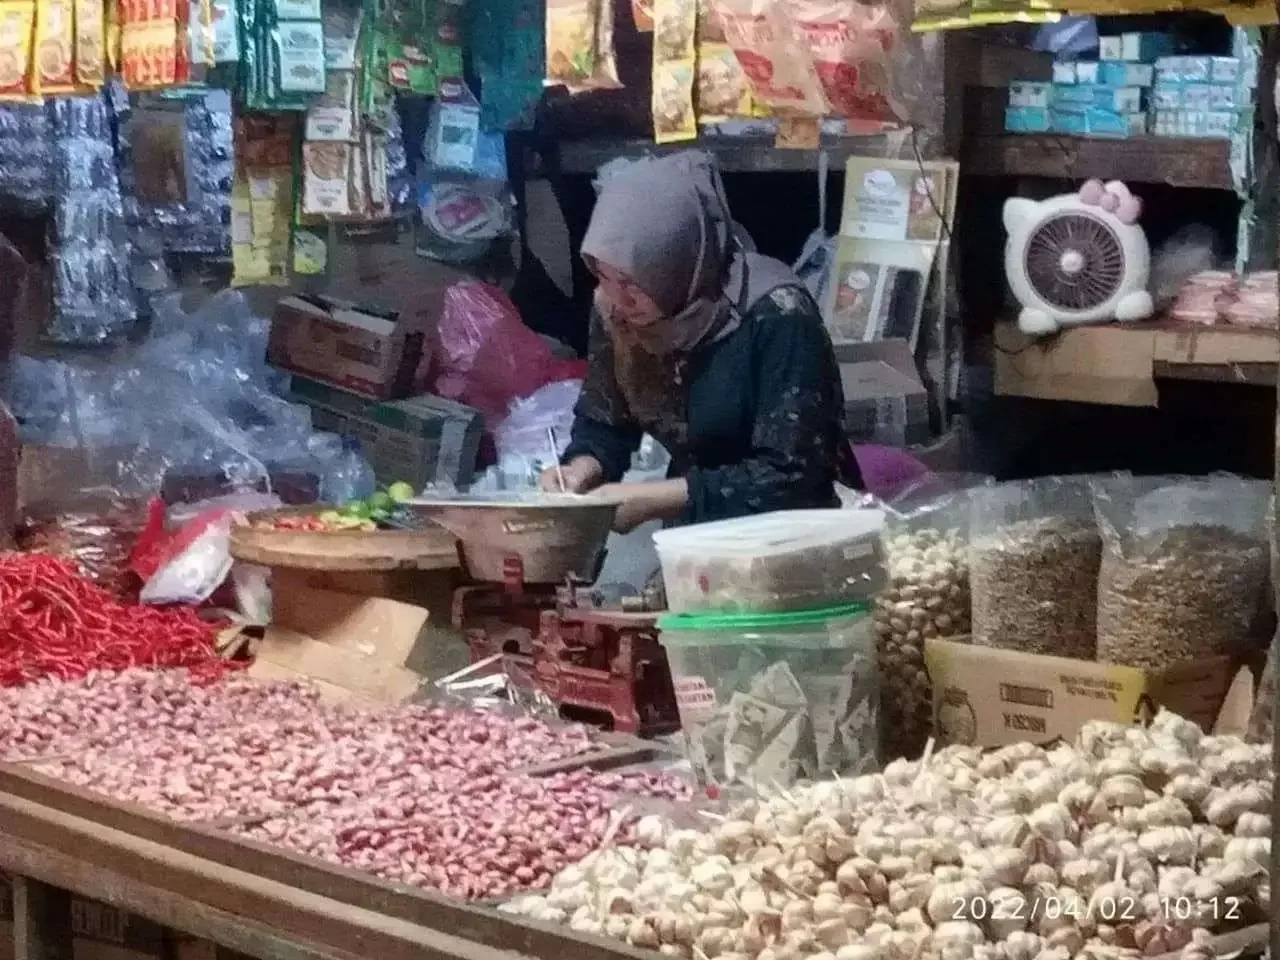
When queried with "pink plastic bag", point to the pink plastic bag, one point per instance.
{"points": [[486, 357]]}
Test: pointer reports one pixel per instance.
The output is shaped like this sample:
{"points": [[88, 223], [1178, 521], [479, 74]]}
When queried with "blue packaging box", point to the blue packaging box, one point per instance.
{"points": [[1135, 47], [1116, 73], [1073, 99], [1027, 119], [1099, 122], [1197, 69], [1030, 93]]}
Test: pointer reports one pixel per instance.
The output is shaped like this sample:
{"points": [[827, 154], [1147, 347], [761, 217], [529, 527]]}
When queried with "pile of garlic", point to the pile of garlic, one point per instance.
{"points": [[1132, 842]]}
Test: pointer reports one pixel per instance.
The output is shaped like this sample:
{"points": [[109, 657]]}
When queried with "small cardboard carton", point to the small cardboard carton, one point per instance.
{"points": [[989, 697], [884, 398], [375, 354], [423, 440]]}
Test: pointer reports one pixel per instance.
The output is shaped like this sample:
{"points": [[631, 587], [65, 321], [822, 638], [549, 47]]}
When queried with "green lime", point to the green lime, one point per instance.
{"points": [[400, 492], [356, 508], [381, 501]]}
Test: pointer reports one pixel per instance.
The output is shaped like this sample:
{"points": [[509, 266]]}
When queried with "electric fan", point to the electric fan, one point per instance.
{"points": [[1077, 258]]}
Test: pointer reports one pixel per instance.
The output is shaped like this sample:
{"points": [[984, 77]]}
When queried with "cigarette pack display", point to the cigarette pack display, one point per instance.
{"points": [[1077, 98], [1030, 93], [1115, 73], [1027, 120], [1135, 47]]}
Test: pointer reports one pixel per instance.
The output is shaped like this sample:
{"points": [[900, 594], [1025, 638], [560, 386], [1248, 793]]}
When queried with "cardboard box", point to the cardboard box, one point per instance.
{"points": [[353, 347], [991, 697], [423, 440], [1118, 364], [884, 399]]}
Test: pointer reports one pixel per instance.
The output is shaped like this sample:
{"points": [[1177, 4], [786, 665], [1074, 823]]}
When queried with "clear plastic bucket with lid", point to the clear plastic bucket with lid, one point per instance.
{"points": [[776, 697], [787, 560]]}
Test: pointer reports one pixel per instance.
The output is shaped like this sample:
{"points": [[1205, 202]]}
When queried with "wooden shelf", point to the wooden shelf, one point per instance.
{"points": [[1174, 161], [745, 154], [1120, 364]]}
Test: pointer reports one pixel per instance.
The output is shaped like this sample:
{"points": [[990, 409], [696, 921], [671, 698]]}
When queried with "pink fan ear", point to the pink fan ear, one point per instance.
{"points": [[1092, 192], [1110, 202], [1130, 209]]}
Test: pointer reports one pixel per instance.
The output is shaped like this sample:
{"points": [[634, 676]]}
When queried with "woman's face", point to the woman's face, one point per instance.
{"points": [[633, 310]]}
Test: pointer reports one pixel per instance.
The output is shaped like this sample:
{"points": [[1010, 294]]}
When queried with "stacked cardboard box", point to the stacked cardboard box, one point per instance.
{"points": [[423, 440]]}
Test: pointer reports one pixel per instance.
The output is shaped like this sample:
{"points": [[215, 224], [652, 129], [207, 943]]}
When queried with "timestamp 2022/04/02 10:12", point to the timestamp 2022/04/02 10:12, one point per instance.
{"points": [[1102, 908]]}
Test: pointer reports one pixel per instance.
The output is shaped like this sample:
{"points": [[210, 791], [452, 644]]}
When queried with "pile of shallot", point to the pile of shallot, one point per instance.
{"points": [[419, 794], [1130, 842]]}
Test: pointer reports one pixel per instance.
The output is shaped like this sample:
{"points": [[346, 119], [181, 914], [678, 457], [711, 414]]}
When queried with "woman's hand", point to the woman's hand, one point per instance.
{"points": [[581, 475], [642, 502]]}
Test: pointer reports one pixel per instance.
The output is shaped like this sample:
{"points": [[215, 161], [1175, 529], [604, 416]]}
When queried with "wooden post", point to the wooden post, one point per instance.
{"points": [[41, 921]]}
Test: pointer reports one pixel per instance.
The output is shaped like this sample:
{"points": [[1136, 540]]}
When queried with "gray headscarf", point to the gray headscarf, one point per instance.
{"points": [[664, 223]]}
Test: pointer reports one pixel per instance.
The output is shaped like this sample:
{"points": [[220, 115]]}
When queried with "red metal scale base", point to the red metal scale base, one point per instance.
{"points": [[602, 666]]}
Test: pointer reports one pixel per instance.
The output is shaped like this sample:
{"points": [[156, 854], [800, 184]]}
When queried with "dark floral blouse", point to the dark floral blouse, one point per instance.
{"points": [[753, 421]]}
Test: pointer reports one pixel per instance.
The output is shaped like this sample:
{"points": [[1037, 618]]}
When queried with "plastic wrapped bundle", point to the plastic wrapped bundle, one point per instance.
{"points": [[26, 148], [176, 170], [92, 289]]}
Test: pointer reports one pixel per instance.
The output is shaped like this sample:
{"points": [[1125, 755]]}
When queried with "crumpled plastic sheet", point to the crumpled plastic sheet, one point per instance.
{"points": [[201, 223], [196, 396]]}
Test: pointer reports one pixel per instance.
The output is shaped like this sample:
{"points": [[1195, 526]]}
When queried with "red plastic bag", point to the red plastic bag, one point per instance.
{"points": [[486, 357], [852, 44]]}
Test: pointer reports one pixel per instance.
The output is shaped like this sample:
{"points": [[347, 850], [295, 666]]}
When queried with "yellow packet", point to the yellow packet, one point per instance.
{"points": [[111, 35], [675, 26], [90, 33], [55, 45], [962, 19], [17, 22]]}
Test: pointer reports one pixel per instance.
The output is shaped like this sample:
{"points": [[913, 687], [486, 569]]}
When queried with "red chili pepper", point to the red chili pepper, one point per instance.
{"points": [[55, 622]]}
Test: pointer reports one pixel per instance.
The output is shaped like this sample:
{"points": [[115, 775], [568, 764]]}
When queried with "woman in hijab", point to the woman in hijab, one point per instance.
{"points": [[720, 354]]}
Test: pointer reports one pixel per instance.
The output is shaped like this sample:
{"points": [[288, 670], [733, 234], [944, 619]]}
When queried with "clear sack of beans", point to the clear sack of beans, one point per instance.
{"points": [[1033, 566], [927, 597], [1185, 567]]}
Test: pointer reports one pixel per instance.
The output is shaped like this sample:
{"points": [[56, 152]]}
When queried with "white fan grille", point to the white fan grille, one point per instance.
{"points": [[1074, 261]]}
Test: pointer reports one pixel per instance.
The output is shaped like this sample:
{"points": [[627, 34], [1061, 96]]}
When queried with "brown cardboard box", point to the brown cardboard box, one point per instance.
{"points": [[991, 697], [345, 345], [424, 440], [1119, 365], [884, 398]]}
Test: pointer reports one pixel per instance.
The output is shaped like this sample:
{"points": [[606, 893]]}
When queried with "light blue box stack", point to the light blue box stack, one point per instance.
{"points": [[1200, 96], [1092, 98]]}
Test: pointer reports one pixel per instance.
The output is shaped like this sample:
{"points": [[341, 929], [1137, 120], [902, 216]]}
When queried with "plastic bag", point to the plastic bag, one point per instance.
{"points": [[1033, 566], [486, 357], [580, 47], [852, 45], [194, 562], [524, 430], [773, 55], [1185, 567], [95, 530], [927, 597]]}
